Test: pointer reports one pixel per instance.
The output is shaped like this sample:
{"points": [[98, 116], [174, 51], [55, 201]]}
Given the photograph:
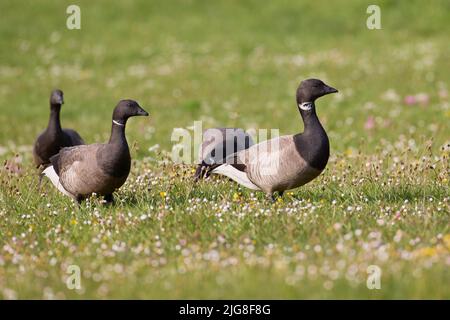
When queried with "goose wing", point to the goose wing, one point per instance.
{"points": [[276, 165], [258, 166], [78, 169]]}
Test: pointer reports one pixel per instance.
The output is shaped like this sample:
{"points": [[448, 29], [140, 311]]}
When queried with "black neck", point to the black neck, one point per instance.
{"points": [[54, 124], [115, 159], [310, 120], [118, 132], [313, 145]]}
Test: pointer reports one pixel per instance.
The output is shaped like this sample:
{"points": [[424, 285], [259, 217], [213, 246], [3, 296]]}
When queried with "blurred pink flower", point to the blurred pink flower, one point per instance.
{"points": [[423, 98], [370, 123], [420, 98], [443, 94], [410, 100]]}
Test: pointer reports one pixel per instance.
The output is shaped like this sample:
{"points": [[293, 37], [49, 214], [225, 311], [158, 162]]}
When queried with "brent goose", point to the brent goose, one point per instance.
{"points": [[50, 141], [285, 162], [96, 168]]}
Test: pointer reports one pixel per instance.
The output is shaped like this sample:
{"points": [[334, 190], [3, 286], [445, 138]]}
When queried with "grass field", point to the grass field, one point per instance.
{"points": [[383, 200]]}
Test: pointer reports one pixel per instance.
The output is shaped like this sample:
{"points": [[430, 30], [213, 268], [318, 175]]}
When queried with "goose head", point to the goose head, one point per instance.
{"points": [[126, 109], [311, 89], [56, 98]]}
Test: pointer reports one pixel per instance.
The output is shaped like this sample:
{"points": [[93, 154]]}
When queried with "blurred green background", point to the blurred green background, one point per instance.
{"points": [[229, 63]]}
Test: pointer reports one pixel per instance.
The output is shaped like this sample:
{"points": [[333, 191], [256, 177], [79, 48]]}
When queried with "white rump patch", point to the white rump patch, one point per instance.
{"points": [[50, 173], [238, 176]]}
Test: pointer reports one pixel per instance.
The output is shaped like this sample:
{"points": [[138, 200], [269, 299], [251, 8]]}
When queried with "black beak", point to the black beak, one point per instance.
{"points": [[329, 90], [142, 112]]}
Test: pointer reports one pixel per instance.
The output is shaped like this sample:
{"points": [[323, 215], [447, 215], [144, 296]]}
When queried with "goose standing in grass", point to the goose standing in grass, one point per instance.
{"points": [[285, 162], [217, 144], [49, 142], [96, 168]]}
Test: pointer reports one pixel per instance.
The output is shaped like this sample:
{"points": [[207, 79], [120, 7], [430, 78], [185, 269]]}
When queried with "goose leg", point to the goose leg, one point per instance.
{"points": [[40, 169], [200, 172], [270, 197], [109, 198], [79, 199], [41, 175]]}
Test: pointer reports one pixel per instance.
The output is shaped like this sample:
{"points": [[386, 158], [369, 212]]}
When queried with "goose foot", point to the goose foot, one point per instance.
{"points": [[272, 198], [79, 199]]}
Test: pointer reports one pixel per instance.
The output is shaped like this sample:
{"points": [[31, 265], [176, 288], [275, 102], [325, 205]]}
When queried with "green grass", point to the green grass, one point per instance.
{"points": [[383, 199]]}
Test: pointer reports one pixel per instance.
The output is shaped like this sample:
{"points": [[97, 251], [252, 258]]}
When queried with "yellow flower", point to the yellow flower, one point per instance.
{"points": [[73, 222], [163, 194], [236, 196], [427, 252]]}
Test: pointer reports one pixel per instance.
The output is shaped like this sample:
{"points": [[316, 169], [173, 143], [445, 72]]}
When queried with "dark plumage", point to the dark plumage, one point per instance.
{"points": [[217, 145], [101, 168], [285, 162], [52, 139]]}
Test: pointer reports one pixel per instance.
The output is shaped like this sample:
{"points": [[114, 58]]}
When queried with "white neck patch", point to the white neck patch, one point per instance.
{"points": [[306, 106], [118, 123]]}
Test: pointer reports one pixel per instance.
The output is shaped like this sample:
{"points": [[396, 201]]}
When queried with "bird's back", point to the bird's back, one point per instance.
{"points": [[72, 138]]}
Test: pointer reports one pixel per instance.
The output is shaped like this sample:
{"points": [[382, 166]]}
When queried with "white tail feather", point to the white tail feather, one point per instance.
{"points": [[238, 176], [50, 173]]}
